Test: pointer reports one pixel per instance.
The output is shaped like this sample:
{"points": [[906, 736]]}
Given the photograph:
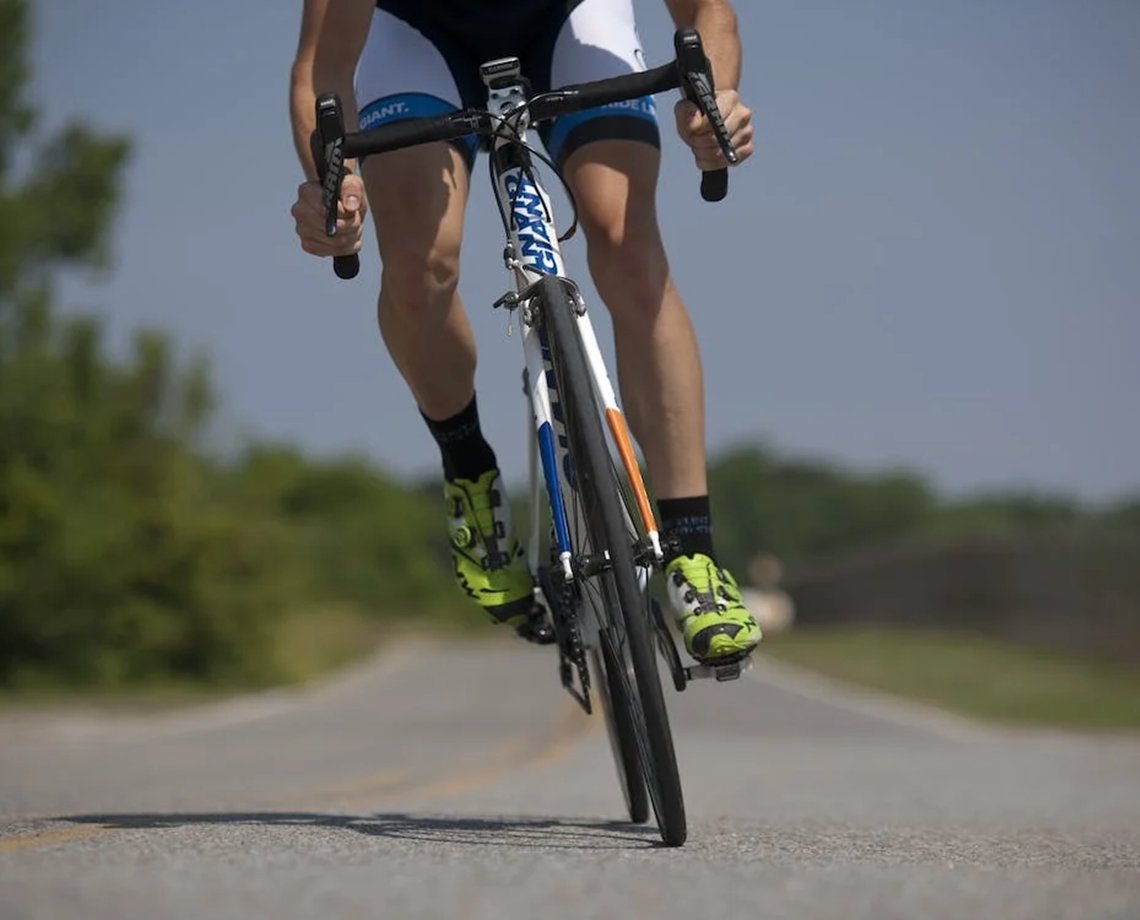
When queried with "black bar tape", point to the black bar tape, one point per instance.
{"points": [[581, 96], [412, 131]]}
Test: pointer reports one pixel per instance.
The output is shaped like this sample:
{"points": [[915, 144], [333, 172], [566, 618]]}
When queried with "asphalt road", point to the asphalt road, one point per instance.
{"points": [[443, 781]]}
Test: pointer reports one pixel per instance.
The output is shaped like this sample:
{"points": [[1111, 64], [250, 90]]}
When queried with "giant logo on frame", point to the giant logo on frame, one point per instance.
{"points": [[536, 250]]}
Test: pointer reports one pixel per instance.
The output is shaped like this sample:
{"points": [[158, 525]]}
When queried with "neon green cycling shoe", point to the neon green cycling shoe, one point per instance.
{"points": [[709, 609], [489, 562]]}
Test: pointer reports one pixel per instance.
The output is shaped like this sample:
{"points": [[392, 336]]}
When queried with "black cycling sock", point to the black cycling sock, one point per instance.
{"points": [[689, 522], [462, 447]]}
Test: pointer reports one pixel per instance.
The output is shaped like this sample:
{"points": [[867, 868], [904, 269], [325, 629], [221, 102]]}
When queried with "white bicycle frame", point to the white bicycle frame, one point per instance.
{"points": [[532, 253]]}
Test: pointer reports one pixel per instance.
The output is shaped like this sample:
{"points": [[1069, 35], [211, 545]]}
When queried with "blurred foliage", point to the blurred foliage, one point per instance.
{"points": [[801, 510], [126, 555], [794, 508]]}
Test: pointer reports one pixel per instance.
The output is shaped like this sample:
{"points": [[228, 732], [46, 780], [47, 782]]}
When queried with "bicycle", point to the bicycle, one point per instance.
{"points": [[591, 596]]}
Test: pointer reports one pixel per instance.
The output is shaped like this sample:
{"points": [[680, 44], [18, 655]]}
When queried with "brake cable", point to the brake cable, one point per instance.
{"points": [[509, 122]]}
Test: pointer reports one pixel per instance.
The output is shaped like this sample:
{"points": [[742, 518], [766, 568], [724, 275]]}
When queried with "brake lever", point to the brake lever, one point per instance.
{"points": [[697, 83], [327, 146]]}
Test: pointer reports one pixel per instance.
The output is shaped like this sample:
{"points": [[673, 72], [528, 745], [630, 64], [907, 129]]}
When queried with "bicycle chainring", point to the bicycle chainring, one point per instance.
{"points": [[563, 600]]}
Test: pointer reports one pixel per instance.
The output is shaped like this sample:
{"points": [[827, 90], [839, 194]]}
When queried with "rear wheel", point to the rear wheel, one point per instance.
{"points": [[626, 638]]}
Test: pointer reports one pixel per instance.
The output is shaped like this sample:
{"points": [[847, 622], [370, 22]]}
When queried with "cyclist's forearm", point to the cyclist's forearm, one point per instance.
{"points": [[303, 97], [302, 101], [332, 36], [715, 20]]}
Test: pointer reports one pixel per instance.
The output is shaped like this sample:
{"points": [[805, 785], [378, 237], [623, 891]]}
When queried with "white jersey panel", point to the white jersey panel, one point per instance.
{"points": [[599, 39], [396, 59]]}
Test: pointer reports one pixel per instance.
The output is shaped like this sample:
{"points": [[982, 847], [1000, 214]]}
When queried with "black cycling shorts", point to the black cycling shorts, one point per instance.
{"points": [[422, 58]]}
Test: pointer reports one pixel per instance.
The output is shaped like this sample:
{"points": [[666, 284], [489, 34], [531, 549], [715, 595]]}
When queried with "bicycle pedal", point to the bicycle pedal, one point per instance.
{"points": [[728, 669], [539, 634], [537, 629]]}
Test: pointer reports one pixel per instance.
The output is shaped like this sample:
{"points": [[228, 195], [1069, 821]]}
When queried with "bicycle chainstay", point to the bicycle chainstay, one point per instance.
{"points": [[561, 597]]}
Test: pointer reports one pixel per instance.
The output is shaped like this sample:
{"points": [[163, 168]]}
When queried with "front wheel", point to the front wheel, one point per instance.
{"points": [[616, 705], [599, 517]]}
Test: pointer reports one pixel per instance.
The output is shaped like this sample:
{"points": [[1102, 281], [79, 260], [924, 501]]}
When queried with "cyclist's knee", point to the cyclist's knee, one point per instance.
{"points": [[629, 267], [418, 282]]}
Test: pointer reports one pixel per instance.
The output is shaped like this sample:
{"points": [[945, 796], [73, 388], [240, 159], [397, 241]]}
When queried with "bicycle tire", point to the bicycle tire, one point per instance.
{"points": [[620, 729], [596, 484]]}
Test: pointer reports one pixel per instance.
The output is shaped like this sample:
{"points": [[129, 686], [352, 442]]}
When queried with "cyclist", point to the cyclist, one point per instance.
{"points": [[394, 59]]}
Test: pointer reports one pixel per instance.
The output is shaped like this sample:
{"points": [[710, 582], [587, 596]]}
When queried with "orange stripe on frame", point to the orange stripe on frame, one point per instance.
{"points": [[625, 449]]}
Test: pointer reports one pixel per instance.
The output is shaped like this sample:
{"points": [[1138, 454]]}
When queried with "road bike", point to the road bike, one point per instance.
{"points": [[593, 563]]}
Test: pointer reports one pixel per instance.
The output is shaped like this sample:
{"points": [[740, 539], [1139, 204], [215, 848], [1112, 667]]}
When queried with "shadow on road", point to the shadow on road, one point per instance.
{"points": [[529, 832]]}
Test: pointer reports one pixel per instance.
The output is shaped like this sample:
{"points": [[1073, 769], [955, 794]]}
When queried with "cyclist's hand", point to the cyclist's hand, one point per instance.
{"points": [[309, 216], [697, 132]]}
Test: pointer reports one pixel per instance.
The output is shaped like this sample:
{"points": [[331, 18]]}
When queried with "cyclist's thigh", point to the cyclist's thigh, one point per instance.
{"points": [[609, 154], [596, 39], [614, 184], [417, 195]]}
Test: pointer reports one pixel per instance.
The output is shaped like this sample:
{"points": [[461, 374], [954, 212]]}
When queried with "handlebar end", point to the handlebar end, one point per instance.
{"points": [[714, 185], [346, 267]]}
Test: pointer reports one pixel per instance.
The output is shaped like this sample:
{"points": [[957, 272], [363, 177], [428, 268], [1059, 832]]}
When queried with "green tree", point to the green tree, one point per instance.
{"points": [[115, 564], [798, 509]]}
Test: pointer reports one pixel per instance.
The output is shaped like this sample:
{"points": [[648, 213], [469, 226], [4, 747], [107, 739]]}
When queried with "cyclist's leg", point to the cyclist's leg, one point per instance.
{"points": [[611, 160], [418, 198], [659, 372], [417, 201], [658, 361]]}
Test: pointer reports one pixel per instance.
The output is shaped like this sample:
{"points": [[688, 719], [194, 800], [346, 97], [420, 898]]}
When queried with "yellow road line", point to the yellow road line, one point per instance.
{"points": [[50, 838], [513, 754], [508, 757]]}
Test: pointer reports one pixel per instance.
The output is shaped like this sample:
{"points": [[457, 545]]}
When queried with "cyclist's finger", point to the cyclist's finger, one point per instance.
{"points": [[736, 119], [321, 245], [307, 218], [325, 252], [352, 200], [709, 159], [316, 240], [309, 222], [707, 150], [690, 122], [704, 142], [742, 142], [310, 210], [713, 157], [351, 225], [310, 193]]}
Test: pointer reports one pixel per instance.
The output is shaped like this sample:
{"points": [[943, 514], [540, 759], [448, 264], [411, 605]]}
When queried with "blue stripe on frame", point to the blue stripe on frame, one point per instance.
{"points": [[550, 472]]}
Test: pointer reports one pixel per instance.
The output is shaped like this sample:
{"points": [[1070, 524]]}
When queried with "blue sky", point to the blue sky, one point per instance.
{"points": [[933, 260]]}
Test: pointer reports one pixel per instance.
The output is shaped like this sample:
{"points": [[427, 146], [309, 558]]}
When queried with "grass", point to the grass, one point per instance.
{"points": [[975, 676], [313, 642]]}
